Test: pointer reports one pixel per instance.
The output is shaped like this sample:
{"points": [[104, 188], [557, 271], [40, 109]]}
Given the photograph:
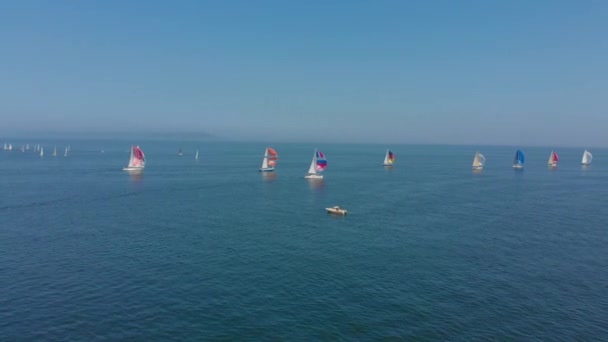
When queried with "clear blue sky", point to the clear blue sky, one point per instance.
{"points": [[472, 72]]}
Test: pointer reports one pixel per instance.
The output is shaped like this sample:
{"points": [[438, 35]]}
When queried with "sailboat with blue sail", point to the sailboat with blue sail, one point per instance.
{"points": [[317, 165], [518, 161]]}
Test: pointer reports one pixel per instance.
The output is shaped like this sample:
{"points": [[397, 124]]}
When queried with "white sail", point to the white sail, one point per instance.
{"points": [[386, 161], [311, 169], [65, 154], [587, 158], [55, 151], [196, 155], [478, 160], [265, 160], [41, 152], [10, 147]]}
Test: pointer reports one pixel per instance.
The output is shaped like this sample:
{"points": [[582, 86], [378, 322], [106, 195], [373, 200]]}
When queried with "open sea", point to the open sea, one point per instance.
{"points": [[215, 250]]}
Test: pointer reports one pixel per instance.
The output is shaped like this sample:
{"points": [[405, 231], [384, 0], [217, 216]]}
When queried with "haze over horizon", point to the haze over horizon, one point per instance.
{"points": [[470, 72]]}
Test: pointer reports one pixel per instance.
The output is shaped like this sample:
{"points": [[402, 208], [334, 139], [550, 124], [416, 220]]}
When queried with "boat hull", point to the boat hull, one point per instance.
{"points": [[390, 165], [311, 176], [132, 168], [518, 166], [477, 167], [268, 169], [336, 211], [552, 164]]}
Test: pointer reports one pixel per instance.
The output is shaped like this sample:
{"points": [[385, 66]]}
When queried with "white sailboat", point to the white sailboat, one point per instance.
{"points": [[65, 153], [137, 161], [587, 158], [10, 147], [389, 158], [55, 151], [553, 159], [196, 155], [270, 160], [478, 161], [41, 152], [317, 165]]}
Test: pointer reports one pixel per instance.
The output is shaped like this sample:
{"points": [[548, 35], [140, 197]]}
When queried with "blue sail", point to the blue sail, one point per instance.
{"points": [[519, 157]]}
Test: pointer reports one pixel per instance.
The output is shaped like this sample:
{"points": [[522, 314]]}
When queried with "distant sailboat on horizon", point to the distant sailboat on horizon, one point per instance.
{"points": [[65, 153], [55, 151], [587, 158], [518, 161], [553, 159], [478, 161], [180, 152], [196, 155], [389, 158], [270, 160], [317, 165], [41, 151], [137, 161]]}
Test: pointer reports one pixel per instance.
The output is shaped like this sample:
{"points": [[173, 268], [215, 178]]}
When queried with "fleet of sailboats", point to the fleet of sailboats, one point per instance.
{"points": [[270, 160], [137, 161], [317, 166], [518, 161], [478, 161], [389, 158], [553, 159], [587, 158]]}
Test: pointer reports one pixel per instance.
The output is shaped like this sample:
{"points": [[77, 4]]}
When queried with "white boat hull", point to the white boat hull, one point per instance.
{"points": [[267, 169], [477, 167], [133, 169], [310, 176], [552, 164], [336, 211], [387, 164], [518, 166]]}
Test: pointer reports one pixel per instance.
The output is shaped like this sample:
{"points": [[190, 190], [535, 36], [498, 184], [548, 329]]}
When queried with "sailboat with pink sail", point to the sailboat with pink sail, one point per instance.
{"points": [[270, 160], [553, 159], [137, 162]]}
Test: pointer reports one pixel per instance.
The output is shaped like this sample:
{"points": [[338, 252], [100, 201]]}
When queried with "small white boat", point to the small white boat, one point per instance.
{"points": [[137, 162], [336, 210], [587, 157], [478, 161], [389, 158], [270, 160], [196, 155], [317, 165]]}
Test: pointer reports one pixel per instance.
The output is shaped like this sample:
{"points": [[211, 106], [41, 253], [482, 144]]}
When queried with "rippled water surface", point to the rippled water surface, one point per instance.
{"points": [[213, 249]]}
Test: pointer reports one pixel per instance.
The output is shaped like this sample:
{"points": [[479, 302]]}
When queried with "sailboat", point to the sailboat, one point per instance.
{"points": [[10, 147], [270, 160], [553, 159], [196, 155], [317, 165], [389, 158], [65, 153], [478, 161], [22, 148], [518, 161], [587, 158], [55, 151], [137, 162], [180, 153], [41, 152]]}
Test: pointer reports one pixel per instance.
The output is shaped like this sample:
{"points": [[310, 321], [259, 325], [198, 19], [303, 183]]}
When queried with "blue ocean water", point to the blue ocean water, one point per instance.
{"points": [[215, 250]]}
